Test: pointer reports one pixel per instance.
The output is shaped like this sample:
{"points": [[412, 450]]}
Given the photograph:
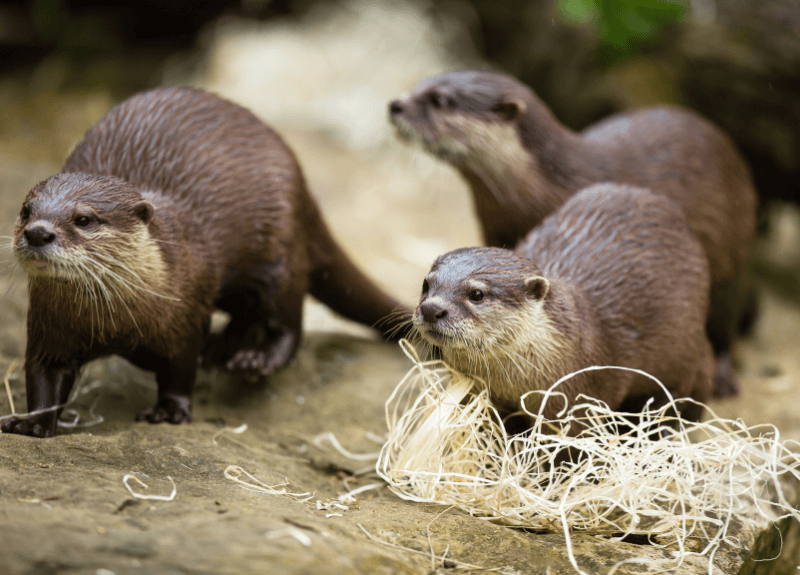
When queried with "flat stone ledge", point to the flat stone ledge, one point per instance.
{"points": [[65, 508]]}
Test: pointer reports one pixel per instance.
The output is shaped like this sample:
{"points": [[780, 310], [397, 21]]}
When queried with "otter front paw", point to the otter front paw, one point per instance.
{"points": [[170, 408], [33, 427]]}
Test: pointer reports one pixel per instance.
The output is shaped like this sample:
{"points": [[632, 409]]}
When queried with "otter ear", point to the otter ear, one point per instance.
{"points": [[144, 211], [509, 110], [537, 287]]}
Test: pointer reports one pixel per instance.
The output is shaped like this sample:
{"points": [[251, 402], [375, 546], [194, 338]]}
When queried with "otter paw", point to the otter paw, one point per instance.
{"points": [[172, 409], [31, 427], [255, 361]]}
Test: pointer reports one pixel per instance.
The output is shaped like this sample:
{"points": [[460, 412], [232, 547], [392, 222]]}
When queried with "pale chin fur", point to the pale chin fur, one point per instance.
{"points": [[515, 352], [47, 267], [435, 144], [448, 341], [404, 130]]}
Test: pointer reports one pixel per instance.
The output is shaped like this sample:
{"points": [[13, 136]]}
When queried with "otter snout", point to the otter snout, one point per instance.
{"points": [[432, 311], [396, 108], [39, 234]]}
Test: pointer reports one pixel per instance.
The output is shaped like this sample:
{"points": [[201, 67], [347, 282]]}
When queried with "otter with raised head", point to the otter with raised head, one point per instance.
{"points": [[177, 202], [522, 165], [613, 277]]}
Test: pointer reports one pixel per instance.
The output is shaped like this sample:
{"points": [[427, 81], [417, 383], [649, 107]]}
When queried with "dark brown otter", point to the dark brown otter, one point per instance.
{"points": [[522, 165], [613, 277], [176, 203]]}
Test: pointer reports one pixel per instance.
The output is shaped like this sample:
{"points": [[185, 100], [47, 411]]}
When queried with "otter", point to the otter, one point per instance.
{"points": [[522, 164], [613, 277], [176, 203]]}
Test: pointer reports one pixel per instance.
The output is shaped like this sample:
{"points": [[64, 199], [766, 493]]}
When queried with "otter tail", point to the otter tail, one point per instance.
{"points": [[339, 284]]}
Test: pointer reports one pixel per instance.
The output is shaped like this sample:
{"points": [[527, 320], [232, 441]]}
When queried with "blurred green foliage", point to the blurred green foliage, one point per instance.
{"points": [[578, 12], [624, 27]]}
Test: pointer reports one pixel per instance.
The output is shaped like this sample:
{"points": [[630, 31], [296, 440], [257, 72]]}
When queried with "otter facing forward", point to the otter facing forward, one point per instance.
{"points": [[522, 165], [176, 203], [614, 277]]}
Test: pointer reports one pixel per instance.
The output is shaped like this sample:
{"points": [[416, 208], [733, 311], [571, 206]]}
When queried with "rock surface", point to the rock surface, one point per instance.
{"points": [[66, 508]]}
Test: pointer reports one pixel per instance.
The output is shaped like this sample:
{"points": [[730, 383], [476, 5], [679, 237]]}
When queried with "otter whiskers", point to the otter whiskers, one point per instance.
{"points": [[125, 276]]}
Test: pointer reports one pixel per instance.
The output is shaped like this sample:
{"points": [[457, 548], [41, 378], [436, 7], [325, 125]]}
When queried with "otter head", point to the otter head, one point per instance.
{"points": [[478, 304], [83, 228], [469, 118]]}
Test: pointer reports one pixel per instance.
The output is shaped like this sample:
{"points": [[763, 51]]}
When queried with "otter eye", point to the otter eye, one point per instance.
{"points": [[83, 221], [438, 101], [25, 213], [425, 286], [476, 295]]}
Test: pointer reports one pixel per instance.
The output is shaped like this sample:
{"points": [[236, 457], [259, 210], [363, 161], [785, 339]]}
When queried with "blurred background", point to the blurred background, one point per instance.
{"points": [[735, 61], [322, 74]]}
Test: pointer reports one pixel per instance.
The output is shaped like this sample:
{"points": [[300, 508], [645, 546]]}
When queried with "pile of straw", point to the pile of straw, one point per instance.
{"points": [[592, 470]]}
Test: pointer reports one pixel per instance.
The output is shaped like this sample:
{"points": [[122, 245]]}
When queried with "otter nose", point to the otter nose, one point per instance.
{"points": [[39, 234], [395, 107], [432, 311]]}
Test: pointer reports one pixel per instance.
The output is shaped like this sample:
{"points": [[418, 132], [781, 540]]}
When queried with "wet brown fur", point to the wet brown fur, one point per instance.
{"points": [[613, 277], [522, 164], [197, 205]]}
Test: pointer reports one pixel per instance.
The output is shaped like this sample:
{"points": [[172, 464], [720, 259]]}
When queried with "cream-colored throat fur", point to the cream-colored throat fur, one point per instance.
{"points": [[515, 351], [492, 150], [132, 262], [108, 281]]}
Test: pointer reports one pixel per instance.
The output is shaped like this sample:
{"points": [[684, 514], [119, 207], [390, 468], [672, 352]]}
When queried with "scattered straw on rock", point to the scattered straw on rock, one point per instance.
{"points": [[292, 532], [79, 390], [321, 438], [11, 367], [249, 482], [235, 474], [137, 495], [592, 470], [235, 430]]}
